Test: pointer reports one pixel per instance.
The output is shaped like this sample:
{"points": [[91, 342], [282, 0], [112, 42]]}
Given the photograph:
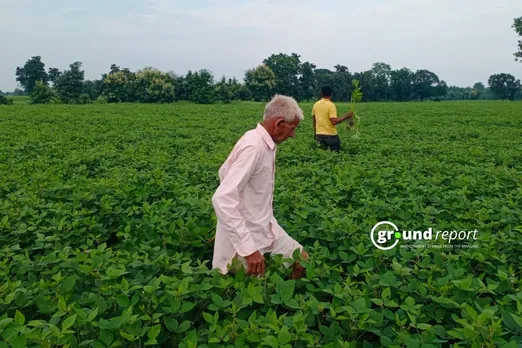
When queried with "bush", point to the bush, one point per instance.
{"points": [[5, 101], [100, 100], [43, 94], [84, 99]]}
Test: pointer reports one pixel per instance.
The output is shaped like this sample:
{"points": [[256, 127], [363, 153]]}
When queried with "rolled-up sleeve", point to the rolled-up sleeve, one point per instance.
{"points": [[226, 200]]}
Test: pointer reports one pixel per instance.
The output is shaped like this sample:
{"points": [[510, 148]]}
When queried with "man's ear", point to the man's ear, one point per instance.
{"points": [[278, 121]]}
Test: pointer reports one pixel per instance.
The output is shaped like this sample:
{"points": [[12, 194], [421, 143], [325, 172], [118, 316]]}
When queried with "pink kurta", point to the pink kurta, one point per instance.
{"points": [[243, 201]]}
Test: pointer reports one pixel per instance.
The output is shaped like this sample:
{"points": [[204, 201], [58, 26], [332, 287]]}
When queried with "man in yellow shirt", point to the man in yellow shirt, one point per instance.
{"points": [[324, 114]]}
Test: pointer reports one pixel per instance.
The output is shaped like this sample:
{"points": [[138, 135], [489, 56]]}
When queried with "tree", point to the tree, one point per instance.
{"points": [[118, 85], [342, 84], [287, 69], [201, 87], [324, 77], [477, 92], [32, 71], [42, 94], [223, 91], [261, 82], [401, 84], [69, 85], [92, 88], [441, 89], [424, 83], [381, 73], [517, 25], [307, 81], [154, 86], [53, 74], [504, 86], [366, 82]]}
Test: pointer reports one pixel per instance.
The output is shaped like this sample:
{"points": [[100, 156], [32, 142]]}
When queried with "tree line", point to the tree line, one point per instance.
{"points": [[280, 73]]}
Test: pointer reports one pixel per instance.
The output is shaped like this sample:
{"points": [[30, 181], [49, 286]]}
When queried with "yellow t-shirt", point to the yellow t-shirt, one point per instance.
{"points": [[323, 110]]}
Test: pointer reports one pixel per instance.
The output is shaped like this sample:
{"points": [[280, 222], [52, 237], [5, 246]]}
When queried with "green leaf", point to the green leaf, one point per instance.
{"points": [[4, 322], [171, 324], [97, 344], [68, 283], [114, 273], [192, 339], [386, 294], [19, 342], [106, 337], [154, 332], [388, 279], [124, 284], [271, 341], [19, 318], [92, 315], [423, 326], [216, 299], [127, 336], [123, 301], [184, 326], [67, 323], [187, 307], [114, 323], [284, 336], [208, 318], [285, 289], [360, 305], [517, 319], [292, 304], [62, 305]]}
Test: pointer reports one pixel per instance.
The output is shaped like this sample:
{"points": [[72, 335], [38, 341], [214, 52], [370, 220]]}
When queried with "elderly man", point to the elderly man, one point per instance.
{"points": [[246, 227]]}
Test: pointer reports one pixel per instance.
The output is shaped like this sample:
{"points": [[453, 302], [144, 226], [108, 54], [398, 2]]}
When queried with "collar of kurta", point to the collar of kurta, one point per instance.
{"points": [[266, 136]]}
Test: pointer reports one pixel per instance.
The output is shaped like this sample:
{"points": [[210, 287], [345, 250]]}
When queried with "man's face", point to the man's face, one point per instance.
{"points": [[284, 130]]}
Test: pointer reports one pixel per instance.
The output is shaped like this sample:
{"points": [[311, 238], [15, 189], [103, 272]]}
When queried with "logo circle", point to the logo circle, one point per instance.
{"points": [[384, 223]]}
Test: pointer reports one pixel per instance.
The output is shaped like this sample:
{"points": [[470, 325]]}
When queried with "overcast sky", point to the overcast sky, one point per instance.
{"points": [[462, 41]]}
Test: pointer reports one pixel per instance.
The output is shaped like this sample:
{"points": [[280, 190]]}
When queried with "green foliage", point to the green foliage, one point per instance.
{"points": [[286, 69], [517, 26], [201, 89], [401, 84], [32, 71], [424, 84], [5, 101], [106, 228], [261, 82], [153, 86], [118, 85], [84, 98], [357, 96], [43, 94], [69, 85], [504, 86]]}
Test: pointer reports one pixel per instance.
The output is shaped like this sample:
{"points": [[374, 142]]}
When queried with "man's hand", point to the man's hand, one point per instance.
{"points": [[349, 118], [256, 264]]}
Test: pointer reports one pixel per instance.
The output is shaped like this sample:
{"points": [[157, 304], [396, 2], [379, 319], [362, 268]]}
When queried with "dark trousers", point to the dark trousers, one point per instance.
{"points": [[330, 142]]}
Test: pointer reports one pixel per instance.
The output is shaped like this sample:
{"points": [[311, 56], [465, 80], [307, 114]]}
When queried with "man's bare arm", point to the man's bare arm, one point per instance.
{"points": [[336, 120]]}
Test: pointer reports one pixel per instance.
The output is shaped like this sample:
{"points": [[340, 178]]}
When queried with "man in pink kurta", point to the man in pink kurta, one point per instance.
{"points": [[246, 226]]}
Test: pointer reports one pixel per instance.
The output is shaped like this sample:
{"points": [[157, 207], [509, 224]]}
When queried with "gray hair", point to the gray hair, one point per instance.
{"points": [[283, 106]]}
